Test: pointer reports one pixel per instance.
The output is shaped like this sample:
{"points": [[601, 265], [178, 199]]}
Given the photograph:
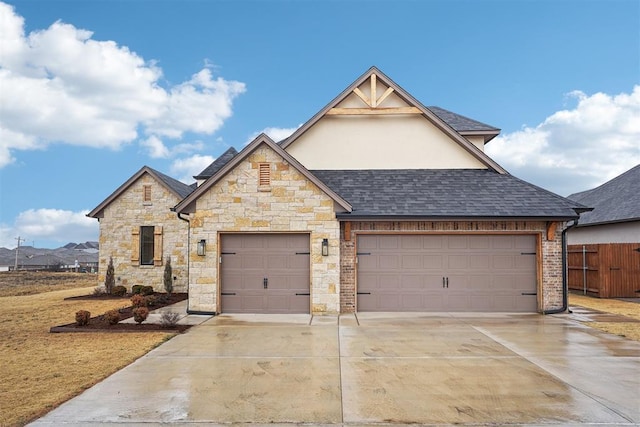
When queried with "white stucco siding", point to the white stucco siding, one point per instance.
{"points": [[379, 142], [626, 232]]}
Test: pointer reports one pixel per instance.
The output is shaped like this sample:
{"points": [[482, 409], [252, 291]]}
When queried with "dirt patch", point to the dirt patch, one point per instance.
{"points": [[16, 283], [100, 323]]}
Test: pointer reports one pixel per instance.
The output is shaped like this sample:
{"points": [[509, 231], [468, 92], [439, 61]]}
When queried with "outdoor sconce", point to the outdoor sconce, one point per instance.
{"points": [[202, 246], [325, 247]]}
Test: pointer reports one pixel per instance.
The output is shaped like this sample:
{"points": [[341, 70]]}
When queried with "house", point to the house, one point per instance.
{"points": [[604, 248], [138, 231], [377, 203]]}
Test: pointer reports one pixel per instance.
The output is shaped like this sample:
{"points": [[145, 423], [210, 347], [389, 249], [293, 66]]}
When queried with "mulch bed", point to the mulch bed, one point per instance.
{"points": [[100, 323]]}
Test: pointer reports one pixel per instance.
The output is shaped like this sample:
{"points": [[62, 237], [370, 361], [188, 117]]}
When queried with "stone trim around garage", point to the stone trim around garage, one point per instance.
{"points": [[549, 251], [291, 204]]}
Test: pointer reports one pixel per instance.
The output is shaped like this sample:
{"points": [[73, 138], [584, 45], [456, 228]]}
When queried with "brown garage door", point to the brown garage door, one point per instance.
{"points": [[482, 273], [265, 273]]}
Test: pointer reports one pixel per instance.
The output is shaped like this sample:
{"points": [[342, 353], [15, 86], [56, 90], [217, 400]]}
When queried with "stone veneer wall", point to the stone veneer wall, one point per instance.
{"points": [[549, 279], [291, 204], [129, 211]]}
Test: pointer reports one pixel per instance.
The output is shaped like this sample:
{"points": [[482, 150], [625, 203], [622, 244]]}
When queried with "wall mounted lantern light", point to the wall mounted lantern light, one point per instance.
{"points": [[325, 247], [202, 246]]}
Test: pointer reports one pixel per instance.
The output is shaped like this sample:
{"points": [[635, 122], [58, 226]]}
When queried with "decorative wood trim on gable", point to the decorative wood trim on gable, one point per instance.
{"points": [[551, 231], [372, 110], [373, 103], [264, 175], [146, 193]]}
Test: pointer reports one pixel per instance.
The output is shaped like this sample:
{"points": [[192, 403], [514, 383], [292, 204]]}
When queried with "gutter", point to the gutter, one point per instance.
{"points": [[565, 285]]}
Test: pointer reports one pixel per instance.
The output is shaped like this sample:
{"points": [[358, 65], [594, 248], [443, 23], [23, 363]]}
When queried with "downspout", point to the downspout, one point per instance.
{"points": [[565, 284], [188, 255]]}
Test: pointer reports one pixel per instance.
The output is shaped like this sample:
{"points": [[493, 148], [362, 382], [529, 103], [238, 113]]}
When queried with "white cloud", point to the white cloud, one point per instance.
{"points": [[50, 225], [277, 134], [60, 85], [575, 149], [185, 169], [156, 147], [158, 150]]}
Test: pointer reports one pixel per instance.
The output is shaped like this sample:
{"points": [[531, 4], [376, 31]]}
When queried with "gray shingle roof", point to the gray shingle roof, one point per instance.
{"points": [[617, 200], [182, 189], [217, 164], [461, 123], [444, 193]]}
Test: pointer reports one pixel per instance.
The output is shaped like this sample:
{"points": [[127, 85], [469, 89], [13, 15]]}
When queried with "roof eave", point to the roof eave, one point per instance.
{"points": [[373, 217]]}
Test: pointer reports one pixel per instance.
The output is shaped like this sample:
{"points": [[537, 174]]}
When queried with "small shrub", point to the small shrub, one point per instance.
{"points": [[162, 299], [152, 300], [168, 276], [138, 301], [169, 319], [112, 316], [110, 278], [119, 291], [140, 314], [82, 317], [98, 291], [146, 290], [135, 289]]}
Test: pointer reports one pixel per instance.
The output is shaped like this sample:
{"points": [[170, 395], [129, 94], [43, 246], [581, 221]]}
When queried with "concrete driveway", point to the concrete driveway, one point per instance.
{"points": [[376, 368]]}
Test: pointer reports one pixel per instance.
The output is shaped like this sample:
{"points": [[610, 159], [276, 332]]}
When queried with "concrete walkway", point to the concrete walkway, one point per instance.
{"points": [[373, 369]]}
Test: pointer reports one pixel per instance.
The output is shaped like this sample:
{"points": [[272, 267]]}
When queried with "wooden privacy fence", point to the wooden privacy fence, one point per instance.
{"points": [[609, 270]]}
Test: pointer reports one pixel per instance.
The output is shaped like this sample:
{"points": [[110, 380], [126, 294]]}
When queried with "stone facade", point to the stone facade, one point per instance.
{"points": [[129, 212], [291, 203], [549, 252]]}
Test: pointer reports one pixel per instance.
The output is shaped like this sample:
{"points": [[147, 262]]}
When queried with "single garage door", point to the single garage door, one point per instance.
{"points": [[265, 273], [481, 273]]}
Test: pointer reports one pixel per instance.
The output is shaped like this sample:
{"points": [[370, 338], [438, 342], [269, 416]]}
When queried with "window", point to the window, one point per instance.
{"points": [[146, 193], [146, 245], [264, 175]]}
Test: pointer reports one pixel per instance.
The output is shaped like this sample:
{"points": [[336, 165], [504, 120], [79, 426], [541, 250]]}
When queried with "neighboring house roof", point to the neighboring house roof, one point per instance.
{"points": [[617, 200], [189, 202], [430, 115], [176, 187], [217, 164], [444, 193]]}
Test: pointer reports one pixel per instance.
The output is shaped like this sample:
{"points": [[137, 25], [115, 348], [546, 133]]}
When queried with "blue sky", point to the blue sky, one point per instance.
{"points": [[92, 91]]}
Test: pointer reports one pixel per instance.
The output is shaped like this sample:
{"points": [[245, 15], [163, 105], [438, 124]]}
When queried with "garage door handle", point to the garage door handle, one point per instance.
{"points": [[445, 282], [529, 293], [364, 293], [303, 293], [265, 283], [228, 293]]}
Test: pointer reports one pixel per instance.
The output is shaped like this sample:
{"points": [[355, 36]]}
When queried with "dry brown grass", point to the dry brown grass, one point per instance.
{"points": [[630, 330], [41, 370]]}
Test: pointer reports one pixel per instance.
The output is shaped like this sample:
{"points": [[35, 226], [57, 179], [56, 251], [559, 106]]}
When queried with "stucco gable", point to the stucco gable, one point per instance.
{"points": [[187, 205], [175, 187], [375, 96]]}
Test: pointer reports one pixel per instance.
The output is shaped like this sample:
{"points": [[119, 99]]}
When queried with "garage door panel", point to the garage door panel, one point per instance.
{"points": [[259, 256], [485, 273], [412, 261], [388, 261]]}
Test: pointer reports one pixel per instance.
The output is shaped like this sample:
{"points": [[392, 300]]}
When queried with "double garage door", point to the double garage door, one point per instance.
{"points": [[481, 273], [265, 273]]}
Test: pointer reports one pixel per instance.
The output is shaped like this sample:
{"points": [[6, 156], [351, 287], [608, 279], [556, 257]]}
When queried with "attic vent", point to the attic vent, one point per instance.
{"points": [[264, 175], [146, 193]]}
